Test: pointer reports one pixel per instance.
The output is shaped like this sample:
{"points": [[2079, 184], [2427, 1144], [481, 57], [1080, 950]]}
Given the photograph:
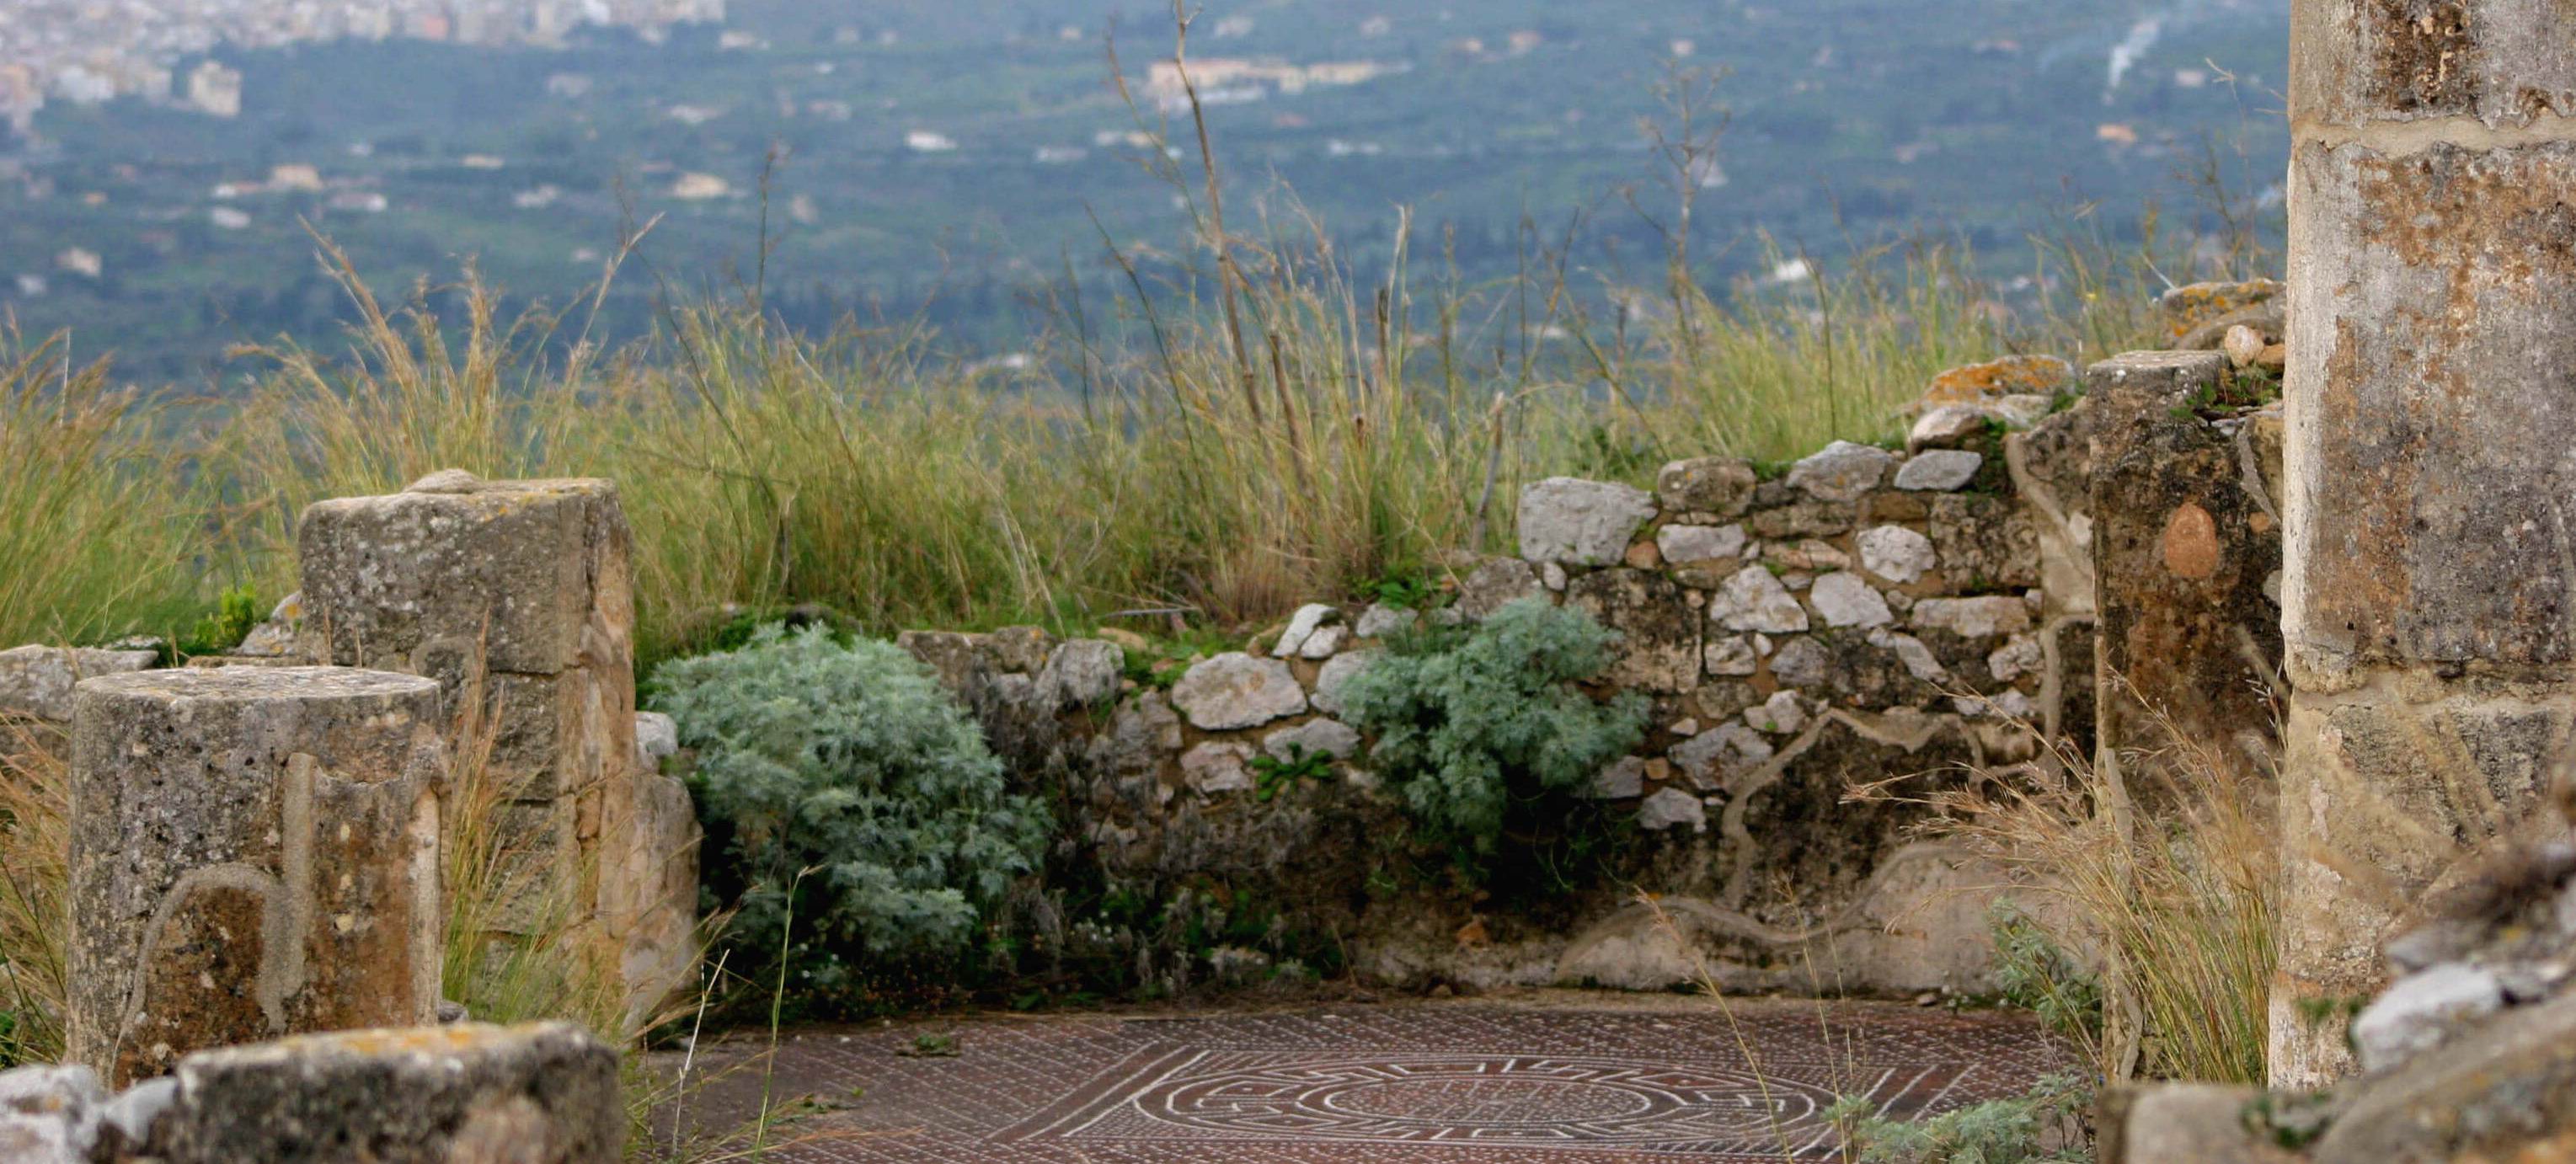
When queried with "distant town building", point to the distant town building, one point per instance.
{"points": [[215, 90], [700, 188], [80, 262], [295, 176], [923, 141]]}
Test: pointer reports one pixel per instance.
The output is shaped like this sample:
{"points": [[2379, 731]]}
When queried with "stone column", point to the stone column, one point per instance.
{"points": [[254, 853], [527, 585], [2431, 461]]}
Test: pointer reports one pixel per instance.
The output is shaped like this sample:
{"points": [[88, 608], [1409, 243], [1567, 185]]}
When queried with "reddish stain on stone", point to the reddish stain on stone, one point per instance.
{"points": [[2191, 542]]}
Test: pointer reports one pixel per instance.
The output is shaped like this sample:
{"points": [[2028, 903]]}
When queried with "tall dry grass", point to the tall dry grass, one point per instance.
{"points": [[35, 906], [2159, 883], [102, 524]]}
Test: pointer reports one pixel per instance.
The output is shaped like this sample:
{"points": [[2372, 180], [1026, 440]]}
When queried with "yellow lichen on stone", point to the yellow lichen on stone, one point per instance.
{"points": [[2009, 376]]}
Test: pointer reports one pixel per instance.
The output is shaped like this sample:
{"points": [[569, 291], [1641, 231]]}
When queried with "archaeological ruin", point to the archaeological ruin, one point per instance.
{"points": [[2324, 526]]}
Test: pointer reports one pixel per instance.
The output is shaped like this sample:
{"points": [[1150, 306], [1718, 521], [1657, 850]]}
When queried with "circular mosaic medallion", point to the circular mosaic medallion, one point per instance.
{"points": [[1481, 1099]]}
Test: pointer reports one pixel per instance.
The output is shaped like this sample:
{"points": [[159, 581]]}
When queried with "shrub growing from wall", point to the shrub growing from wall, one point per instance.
{"points": [[1470, 720], [839, 780]]}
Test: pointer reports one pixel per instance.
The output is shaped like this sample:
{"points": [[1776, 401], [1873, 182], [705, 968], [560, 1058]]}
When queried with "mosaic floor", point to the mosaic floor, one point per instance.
{"points": [[1557, 1078]]}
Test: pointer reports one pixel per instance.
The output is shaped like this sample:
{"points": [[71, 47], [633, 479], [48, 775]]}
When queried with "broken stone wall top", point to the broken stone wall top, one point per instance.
{"points": [[406, 581]]}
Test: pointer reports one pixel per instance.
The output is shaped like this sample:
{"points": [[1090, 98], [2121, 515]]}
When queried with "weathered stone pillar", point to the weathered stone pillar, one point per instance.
{"points": [[526, 584], [2431, 460], [254, 853]]}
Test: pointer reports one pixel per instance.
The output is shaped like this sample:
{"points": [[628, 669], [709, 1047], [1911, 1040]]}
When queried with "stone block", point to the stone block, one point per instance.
{"points": [[2422, 1011], [1753, 599], [1720, 486], [1574, 522], [2181, 551], [2429, 450], [538, 1094], [1658, 630], [2505, 1091], [49, 1115], [2188, 1123], [1234, 691], [1939, 470], [36, 682], [254, 853], [649, 897], [1320, 737], [533, 575], [2506, 64], [1841, 471], [1496, 584]]}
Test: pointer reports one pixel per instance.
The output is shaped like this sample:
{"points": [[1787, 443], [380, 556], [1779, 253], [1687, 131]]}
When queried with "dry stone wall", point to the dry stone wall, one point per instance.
{"points": [[2052, 565], [1870, 614]]}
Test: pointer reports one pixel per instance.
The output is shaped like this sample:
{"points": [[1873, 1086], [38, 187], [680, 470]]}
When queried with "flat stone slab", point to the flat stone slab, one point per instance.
{"points": [[1559, 1077]]}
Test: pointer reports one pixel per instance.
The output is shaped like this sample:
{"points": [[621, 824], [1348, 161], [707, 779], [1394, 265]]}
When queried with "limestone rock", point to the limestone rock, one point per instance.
{"points": [[1896, 553], [1301, 627], [1082, 673], [2020, 655], [533, 574], [1326, 642], [1802, 519], [1623, 779], [1974, 618], [656, 736], [2243, 345], [1234, 691], [36, 682], [1143, 732], [1802, 662], [1781, 715], [2190, 307], [1939, 470], [1672, 807], [1581, 523], [2422, 1011], [1731, 655], [1841, 471], [2191, 1123], [1658, 646], [253, 853], [2505, 1091], [1336, 673], [1715, 485], [538, 1094], [1945, 427], [1216, 767], [1843, 599], [1754, 600], [1712, 758], [1917, 658], [1495, 585], [49, 1115], [1681, 544], [1322, 737], [1381, 620]]}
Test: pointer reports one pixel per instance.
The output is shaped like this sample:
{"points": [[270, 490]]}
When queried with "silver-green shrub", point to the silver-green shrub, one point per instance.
{"points": [[1465, 720], [841, 778]]}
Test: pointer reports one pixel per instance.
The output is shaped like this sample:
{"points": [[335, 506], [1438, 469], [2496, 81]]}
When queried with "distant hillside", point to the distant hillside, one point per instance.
{"points": [[957, 152]]}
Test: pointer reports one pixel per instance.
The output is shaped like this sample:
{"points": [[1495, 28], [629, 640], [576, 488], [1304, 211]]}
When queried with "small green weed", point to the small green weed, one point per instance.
{"points": [[236, 612], [1272, 775]]}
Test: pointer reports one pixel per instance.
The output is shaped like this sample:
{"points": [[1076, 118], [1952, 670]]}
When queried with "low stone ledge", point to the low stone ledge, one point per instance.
{"points": [[537, 1094]]}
